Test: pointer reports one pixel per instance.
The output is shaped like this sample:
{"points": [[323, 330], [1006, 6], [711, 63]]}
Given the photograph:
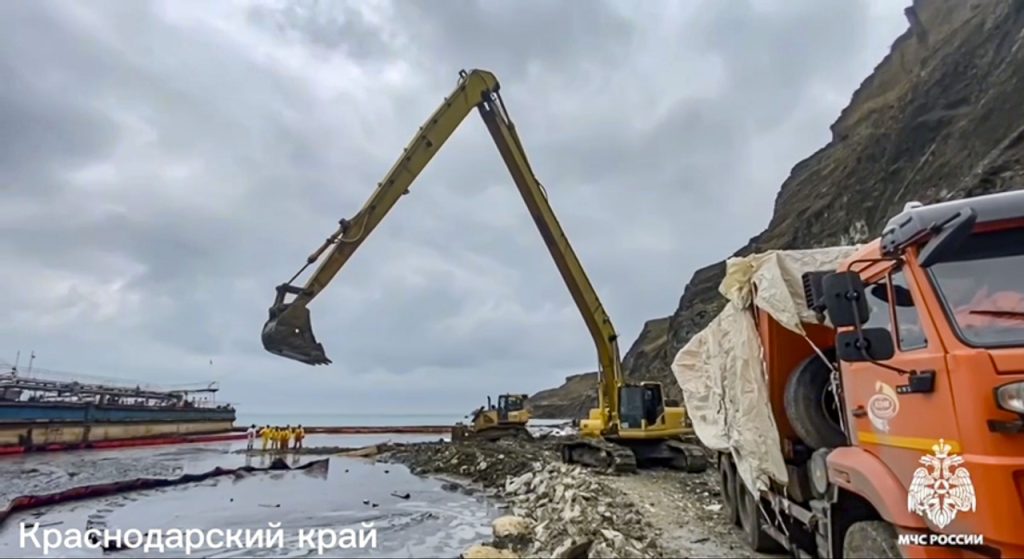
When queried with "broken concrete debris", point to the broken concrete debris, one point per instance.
{"points": [[557, 510], [573, 512]]}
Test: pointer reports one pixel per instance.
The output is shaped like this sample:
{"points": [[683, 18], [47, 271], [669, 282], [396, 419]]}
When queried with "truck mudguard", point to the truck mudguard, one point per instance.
{"points": [[862, 473]]}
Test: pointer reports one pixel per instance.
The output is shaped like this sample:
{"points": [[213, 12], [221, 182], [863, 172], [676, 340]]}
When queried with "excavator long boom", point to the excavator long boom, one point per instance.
{"points": [[288, 332]]}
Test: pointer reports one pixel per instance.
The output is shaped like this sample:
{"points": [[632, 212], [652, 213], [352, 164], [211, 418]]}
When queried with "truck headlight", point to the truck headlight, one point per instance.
{"points": [[1010, 397]]}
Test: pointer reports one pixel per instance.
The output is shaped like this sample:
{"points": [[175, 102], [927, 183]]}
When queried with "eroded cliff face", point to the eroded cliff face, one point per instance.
{"points": [[940, 117], [572, 400]]}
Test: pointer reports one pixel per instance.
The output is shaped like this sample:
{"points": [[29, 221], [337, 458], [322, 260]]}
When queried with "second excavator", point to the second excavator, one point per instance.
{"points": [[633, 424]]}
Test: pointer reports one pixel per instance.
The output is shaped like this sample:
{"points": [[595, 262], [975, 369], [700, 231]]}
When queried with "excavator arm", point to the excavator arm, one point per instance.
{"points": [[288, 332]]}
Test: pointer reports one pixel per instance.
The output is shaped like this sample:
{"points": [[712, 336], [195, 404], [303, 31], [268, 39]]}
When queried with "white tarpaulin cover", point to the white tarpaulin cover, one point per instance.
{"points": [[721, 370]]}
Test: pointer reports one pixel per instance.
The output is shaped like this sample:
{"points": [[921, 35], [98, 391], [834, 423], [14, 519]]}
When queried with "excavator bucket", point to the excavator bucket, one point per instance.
{"points": [[290, 334]]}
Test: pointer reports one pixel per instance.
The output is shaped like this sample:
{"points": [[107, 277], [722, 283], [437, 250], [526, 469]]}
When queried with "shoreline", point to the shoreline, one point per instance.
{"points": [[547, 508], [554, 509]]}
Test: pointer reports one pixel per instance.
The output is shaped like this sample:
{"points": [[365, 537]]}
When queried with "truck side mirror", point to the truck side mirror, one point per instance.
{"points": [[870, 344], [843, 296]]}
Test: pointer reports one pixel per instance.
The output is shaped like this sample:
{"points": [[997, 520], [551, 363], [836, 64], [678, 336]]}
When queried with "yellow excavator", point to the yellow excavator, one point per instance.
{"points": [[507, 419], [632, 426]]}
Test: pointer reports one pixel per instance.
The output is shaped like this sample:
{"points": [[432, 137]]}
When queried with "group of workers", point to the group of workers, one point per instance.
{"points": [[276, 438]]}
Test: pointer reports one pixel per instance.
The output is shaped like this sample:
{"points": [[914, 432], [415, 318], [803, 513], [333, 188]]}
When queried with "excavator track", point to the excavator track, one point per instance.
{"points": [[688, 457], [600, 454]]}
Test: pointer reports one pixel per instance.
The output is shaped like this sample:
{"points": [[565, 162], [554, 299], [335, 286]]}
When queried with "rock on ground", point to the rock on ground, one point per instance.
{"points": [[511, 527]]}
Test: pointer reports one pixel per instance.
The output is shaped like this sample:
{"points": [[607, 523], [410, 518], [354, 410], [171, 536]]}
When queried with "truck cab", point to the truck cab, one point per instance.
{"points": [[930, 344], [868, 401]]}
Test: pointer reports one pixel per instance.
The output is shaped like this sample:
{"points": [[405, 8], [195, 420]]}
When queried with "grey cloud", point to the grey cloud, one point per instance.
{"points": [[775, 56], [332, 26], [166, 164], [39, 111], [531, 36]]}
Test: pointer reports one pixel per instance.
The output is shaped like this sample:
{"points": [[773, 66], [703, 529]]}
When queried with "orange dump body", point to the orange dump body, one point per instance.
{"points": [[783, 351]]}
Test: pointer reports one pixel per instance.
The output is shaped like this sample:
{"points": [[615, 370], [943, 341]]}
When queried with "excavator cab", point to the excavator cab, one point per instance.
{"points": [[646, 430], [289, 331], [640, 405]]}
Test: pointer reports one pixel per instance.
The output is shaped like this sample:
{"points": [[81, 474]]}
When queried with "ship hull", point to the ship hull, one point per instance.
{"points": [[49, 426]]}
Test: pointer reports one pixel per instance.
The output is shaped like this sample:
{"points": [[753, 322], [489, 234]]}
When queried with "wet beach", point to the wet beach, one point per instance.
{"points": [[412, 516]]}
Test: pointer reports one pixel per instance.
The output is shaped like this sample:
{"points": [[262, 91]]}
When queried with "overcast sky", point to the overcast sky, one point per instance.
{"points": [[165, 164]]}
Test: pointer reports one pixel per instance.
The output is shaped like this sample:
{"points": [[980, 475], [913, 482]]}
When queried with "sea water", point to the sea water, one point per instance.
{"points": [[345, 419]]}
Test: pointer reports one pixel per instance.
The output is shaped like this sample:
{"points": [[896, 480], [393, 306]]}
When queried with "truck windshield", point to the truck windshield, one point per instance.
{"points": [[982, 288]]}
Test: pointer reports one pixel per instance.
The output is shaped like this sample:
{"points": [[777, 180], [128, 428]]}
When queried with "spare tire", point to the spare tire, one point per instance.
{"points": [[811, 405]]}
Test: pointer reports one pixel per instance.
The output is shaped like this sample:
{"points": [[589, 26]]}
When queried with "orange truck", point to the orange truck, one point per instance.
{"points": [[868, 401]]}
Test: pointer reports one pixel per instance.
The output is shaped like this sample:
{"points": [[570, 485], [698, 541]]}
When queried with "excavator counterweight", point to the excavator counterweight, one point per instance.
{"points": [[633, 423]]}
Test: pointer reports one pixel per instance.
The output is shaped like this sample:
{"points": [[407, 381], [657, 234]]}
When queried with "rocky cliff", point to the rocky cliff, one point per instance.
{"points": [[572, 400], [939, 118]]}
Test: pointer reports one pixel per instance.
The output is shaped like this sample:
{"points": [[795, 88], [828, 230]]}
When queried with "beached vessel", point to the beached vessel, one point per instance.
{"points": [[41, 413]]}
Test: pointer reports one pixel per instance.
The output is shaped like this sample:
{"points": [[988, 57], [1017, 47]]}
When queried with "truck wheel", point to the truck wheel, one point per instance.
{"points": [[752, 522], [871, 538], [811, 405], [727, 482]]}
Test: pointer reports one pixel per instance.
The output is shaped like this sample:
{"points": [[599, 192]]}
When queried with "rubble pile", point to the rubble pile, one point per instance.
{"points": [[573, 513], [558, 510], [486, 463]]}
